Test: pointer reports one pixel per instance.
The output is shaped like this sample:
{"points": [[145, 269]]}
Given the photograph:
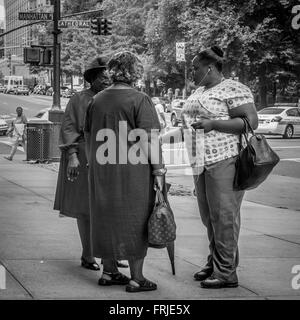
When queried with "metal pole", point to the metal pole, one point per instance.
{"points": [[185, 78], [56, 56]]}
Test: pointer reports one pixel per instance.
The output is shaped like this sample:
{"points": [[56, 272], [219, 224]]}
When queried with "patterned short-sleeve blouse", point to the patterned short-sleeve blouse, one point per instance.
{"points": [[214, 104]]}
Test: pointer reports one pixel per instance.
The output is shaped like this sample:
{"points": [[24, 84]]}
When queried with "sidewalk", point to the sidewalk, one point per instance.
{"points": [[41, 252]]}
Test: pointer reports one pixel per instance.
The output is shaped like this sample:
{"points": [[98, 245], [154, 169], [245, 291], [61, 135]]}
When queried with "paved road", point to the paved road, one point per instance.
{"points": [[31, 104]]}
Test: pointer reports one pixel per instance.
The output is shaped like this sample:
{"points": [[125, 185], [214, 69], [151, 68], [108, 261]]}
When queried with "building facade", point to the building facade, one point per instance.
{"points": [[15, 40]]}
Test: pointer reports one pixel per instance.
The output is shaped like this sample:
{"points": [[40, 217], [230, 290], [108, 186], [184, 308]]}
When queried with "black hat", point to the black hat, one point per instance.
{"points": [[97, 64]]}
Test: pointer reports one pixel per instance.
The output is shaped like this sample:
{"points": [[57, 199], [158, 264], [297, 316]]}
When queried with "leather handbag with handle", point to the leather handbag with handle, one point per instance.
{"points": [[161, 224], [255, 161]]}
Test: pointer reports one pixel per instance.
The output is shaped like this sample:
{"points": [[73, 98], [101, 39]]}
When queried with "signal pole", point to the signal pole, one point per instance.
{"points": [[55, 114], [56, 55]]}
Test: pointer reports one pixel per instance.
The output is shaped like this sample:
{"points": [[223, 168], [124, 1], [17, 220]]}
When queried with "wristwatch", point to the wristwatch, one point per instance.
{"points": [[159, 172]]}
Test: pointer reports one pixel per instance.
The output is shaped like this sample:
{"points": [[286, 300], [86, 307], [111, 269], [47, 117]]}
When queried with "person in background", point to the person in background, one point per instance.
{"points": [[160, 113], [17, 132], [220, 104], [71, 198]]}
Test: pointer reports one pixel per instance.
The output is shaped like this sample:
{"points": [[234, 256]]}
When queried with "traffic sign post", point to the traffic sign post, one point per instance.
{"points": [[180, 51]]}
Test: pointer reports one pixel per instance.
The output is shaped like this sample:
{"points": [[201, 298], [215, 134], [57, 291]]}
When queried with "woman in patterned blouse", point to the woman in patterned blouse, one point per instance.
{"points": [[219, 104]]}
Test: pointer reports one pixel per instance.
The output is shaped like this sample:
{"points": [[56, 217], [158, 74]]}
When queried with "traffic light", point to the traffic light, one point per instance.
{"points": [[9, 60], [96, 26], [106, 26], [32, 55]]}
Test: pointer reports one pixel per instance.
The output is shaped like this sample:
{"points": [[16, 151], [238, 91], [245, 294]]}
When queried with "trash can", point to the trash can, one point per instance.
{"points": [[38, 140]]}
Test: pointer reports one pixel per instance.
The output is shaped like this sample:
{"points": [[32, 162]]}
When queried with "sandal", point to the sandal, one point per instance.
{"points": [[90, 265], [115, 279], [144, 285]]}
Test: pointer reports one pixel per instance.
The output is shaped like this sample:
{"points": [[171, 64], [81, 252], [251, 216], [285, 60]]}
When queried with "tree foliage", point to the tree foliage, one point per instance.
{"points": [[260, 44]]}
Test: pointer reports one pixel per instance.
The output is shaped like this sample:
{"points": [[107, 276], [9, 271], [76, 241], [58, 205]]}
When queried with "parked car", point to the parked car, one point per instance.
{"points": [[2, 88], [68, 93], [279, 120], [176, 107], [78, 88], [22, 90], [38, 89], [49, 92], [10, 89], [164, 102], [3, 127]]}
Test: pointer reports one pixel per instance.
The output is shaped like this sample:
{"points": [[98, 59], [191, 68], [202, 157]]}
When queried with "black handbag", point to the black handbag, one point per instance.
{"points": [[161, 224], [255, 161]]}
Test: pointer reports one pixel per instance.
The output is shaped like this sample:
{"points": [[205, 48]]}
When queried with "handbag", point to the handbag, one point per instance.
{"points": [[255, 161], [161, 224]]}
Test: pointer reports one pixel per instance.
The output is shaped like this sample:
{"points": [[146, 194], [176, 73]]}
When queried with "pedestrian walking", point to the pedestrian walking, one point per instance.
{"points": [[220, 104], [72, 199], [17, 132], [160, 113], [122, 194]]}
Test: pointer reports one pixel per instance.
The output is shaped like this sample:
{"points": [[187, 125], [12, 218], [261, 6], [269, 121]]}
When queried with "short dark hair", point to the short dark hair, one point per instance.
{"points": [[213, 55]]}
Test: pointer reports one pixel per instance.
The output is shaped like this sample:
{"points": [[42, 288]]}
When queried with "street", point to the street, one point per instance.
{"points": [[31, 104]]}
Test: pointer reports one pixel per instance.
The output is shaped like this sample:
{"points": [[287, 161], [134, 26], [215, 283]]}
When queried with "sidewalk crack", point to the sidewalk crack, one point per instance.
{"points": [[33, 192], [17, 280]]}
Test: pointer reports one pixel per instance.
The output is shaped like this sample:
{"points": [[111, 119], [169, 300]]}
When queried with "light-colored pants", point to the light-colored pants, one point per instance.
{"points": [[15, 147], [219, 207]]}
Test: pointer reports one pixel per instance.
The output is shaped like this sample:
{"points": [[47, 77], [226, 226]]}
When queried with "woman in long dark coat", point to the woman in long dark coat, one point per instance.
{"points": [[122, 193], [72, 199]]}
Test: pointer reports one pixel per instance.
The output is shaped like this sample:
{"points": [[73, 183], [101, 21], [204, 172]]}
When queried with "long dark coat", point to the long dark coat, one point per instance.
{"points": [[72, 198], [122, 195]]}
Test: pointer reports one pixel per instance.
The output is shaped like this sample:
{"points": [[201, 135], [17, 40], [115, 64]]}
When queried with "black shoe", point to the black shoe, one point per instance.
{"points": [[203, 274], [145, 285], [214, 283], [90, 265], [115, 279]]}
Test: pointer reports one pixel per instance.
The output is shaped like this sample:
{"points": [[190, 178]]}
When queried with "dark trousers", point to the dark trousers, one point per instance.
{"points": [[219, 207]]}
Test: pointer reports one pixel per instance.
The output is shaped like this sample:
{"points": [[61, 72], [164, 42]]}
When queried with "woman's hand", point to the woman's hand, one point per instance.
{"points": [[72, 168], [159, 182], [205, 124]]}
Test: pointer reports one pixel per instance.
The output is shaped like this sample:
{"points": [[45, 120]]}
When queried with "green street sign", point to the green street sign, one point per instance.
{"points": [[45, 16], [85, 24]]}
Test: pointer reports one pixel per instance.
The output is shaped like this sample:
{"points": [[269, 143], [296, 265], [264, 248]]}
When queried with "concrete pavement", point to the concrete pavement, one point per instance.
{"points": [[41, 252]]}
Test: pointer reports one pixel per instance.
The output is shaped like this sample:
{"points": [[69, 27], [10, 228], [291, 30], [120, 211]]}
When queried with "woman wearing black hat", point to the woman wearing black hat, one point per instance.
{"points": [[72, 198]]}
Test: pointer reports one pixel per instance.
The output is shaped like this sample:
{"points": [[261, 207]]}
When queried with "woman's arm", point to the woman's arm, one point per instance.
{"points": [[234, 125], [173, 136]]}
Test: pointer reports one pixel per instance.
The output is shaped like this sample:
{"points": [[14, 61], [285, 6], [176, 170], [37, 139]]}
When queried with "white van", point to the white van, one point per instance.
{"points": [[12, 82]]}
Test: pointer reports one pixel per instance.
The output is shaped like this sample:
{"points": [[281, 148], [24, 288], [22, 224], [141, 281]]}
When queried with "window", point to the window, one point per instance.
{"points": [[293, 113], [271, 111]]}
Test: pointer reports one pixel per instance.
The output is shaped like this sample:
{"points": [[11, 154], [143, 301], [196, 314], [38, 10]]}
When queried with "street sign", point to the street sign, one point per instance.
{"points": [[180, 51], [74, 24], [36, 16]]}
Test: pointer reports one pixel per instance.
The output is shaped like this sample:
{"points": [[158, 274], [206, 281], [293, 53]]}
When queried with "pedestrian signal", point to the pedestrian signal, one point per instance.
{"points": [[32, 55]]}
